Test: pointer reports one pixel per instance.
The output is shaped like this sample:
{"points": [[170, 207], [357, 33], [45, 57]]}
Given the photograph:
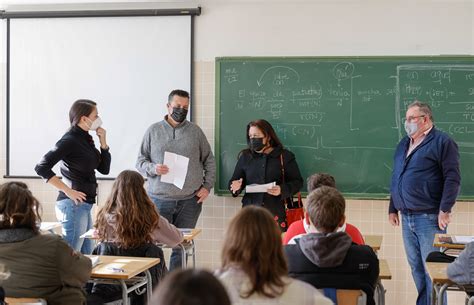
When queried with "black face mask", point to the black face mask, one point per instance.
{"points": [[179, 114], [256, 144]]}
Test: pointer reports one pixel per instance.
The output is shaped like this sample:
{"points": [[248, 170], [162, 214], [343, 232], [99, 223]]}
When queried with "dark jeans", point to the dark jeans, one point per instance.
{"points": [[181, 213]]}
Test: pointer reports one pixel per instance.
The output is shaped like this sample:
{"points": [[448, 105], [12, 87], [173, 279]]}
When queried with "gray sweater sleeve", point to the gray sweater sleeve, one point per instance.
{"points": [[461, 271], [144, 164], [208, 161]]}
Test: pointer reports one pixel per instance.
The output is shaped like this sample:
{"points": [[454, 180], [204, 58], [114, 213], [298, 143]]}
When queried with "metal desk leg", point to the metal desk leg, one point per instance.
{"points": [[193, 253], [434, 293], [380, 293], [183, 256], [149, 286], [470, 301], [441, 293], [124, 292]]}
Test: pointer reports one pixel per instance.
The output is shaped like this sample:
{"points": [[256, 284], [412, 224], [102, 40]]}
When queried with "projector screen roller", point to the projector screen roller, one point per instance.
{"points": [[127, 65]]}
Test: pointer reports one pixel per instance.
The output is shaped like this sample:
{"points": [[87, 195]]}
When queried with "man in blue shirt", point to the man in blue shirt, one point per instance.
{"points": [[425, 184]]}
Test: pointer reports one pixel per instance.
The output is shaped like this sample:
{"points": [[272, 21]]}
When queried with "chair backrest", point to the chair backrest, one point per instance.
{"points": [[25, 301], [346, 296]]}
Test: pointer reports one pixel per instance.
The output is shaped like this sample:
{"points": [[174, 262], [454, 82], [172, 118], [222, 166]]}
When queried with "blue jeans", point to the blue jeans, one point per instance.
{"points": [[181, 213], [76, 220], [418, 235]]}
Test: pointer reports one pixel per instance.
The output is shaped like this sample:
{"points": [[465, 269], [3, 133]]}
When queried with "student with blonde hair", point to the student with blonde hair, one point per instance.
{"points": [[41, 265], [129, 224], [254, 269]]}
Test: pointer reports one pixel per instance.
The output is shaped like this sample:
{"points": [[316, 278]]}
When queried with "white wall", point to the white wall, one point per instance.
{"points": [[329, 28]]}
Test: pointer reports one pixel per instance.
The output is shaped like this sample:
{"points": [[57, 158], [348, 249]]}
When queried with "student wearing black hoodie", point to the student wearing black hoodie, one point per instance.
{"points": [[326, 258]]}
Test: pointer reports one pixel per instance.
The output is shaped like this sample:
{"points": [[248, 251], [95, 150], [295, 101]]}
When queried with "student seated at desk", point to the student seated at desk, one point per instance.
{"points": [[128, 225], [301, 227], [326, 258], [41, 266], [191, 286], [461, 271], [254, 270]]}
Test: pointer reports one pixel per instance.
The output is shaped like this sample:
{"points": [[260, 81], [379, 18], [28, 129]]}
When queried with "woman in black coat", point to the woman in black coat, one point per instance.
{"points": [[261, 163]]}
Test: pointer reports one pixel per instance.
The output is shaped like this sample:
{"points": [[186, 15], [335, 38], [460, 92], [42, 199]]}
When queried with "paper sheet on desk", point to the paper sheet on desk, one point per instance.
{"points": [[178, 168], [462, 239], [259, 188]]}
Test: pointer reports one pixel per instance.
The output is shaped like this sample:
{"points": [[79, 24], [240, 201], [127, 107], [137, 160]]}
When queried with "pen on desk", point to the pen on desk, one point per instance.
{"points": [[116, 269]]}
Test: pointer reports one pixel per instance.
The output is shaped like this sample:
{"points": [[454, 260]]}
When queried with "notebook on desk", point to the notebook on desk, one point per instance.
{"points": [[456, 239], [462, 239]]}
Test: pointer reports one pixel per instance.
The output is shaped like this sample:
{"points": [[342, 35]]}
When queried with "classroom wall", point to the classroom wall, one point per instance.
{"points": [[306, 28]]}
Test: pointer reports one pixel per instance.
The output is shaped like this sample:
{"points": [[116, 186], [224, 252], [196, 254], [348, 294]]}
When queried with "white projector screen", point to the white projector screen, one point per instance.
{"points": [[128, 65]]}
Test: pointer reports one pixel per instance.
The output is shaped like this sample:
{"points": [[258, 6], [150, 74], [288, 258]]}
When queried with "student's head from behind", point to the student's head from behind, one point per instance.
{"points": [[325, 208], [190, 287], [178, 105], [18, 207], [84, 113], [319, 179], [129, 211], [261, 135], [253, 243]]}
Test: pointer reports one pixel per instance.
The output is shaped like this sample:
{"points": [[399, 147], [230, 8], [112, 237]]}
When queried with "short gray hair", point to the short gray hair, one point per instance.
{"points": [[423, 107]]}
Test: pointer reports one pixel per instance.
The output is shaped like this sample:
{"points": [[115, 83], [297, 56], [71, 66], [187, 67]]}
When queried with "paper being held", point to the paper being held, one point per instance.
{"points": [[177, 169], [259, 188]]}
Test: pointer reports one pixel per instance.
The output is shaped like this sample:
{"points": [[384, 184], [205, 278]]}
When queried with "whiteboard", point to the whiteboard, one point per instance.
{"points": [[128, 65]]}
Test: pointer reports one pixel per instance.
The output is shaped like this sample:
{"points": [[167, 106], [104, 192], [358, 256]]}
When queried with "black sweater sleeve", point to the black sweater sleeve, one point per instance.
{"points": [[105, 159], [44, 168], [239, 172], [293, 180]]}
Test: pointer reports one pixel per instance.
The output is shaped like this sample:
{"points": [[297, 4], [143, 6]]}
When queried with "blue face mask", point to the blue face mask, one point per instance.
{"points": [[411, 128]]}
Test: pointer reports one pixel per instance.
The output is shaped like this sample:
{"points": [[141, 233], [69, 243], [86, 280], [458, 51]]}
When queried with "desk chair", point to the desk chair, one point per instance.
{"points": [[25, 301], [346, 296]]}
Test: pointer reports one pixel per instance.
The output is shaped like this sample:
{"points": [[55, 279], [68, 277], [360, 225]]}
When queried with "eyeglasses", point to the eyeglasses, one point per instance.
{"points": [[412, 118]]}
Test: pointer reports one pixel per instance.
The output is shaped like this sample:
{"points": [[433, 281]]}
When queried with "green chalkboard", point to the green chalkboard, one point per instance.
{"points": [[343, 115]]}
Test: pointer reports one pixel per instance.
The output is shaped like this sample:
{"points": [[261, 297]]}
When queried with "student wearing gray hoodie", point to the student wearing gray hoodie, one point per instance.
{"points": [[461, 270], [326, 258], [175, 134]]}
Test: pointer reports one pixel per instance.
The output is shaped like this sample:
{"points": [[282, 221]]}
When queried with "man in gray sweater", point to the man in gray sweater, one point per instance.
{"points": [[177, 135]]}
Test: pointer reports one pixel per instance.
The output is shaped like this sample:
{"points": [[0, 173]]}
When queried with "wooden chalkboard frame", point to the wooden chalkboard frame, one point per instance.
{"points": [[358, 196]]}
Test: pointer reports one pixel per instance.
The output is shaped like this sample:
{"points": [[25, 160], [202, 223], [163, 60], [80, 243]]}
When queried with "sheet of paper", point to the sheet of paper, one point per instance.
{"points": [[259, 188], [89, 234], [178, 168], [95, 260], [46, 226], [462, 239]]}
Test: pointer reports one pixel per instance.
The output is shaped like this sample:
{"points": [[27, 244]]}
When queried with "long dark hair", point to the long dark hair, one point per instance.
{"points": [[136, 215], [18, 207], [79, 109], [267, 130], [253, 244]]}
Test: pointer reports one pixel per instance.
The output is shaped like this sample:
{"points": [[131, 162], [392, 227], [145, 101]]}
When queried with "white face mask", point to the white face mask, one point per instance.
{"points": [[411, 128], [95, 124]]}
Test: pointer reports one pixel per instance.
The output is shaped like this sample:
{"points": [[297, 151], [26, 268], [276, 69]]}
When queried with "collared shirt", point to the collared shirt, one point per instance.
{"points": [[415, 143]]}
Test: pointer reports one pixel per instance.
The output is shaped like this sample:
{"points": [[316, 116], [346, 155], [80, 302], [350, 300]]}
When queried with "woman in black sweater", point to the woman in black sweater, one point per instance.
{"points": [[80, 159], [265, 161]]}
